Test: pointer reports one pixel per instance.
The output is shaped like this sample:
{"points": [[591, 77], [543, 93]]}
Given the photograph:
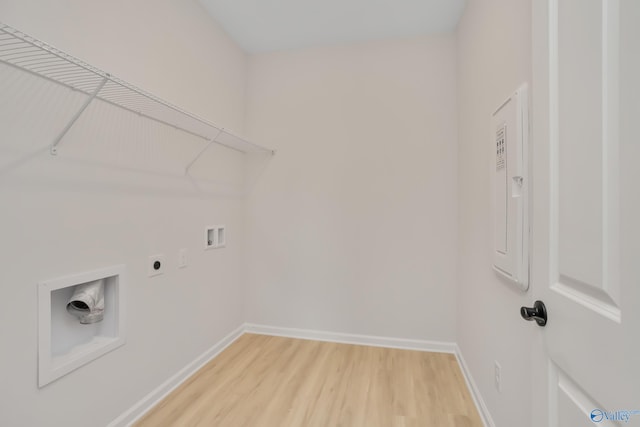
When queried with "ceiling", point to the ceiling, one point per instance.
{"points": [[269, 25]]}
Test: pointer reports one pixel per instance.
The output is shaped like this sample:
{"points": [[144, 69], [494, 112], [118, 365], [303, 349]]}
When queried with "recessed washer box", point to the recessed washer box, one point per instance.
{"points": [[215, 237], [63, 343]]}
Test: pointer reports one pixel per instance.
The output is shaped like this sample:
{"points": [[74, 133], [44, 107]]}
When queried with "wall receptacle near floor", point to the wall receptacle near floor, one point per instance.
{"points": [[80, 318]]}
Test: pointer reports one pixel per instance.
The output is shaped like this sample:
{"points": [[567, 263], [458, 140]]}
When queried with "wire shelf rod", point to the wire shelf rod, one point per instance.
{"points": [[43, 76], [25, 53], [12, 40], [70, 79], [51, 50], [85, 87], [78, 82], [64, 66], [45, 58], [12, 43], [86, 80], [38, 61], [171, 106], [125, 96], [114, 89], [71, 75], [47, 68], [19, 50], [134, 104], [155, 119]]}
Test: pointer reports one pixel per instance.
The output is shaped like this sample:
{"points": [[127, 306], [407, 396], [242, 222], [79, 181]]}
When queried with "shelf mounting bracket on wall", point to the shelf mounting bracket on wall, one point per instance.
{"points": [[205, 148], [92, 96]]}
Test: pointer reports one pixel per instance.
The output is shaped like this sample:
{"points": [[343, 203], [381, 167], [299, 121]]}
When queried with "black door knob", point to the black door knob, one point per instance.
{"points": [[538, 313]]}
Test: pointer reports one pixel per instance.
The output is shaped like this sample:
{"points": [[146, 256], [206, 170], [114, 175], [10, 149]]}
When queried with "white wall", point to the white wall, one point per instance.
{"points": [[60, 216], [352, 226], [494, 58]]}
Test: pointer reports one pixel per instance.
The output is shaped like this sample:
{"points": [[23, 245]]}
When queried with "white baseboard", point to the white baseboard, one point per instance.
{"points": [[405, 344], [149, 401], [307, 334], [475, 392], [136, 412]]}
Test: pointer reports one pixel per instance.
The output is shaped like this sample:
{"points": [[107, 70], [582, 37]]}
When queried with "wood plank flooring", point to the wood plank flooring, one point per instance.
{"points": [[265, 381]]}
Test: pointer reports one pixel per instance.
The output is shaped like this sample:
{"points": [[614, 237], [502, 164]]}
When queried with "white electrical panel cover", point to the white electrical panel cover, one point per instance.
{"points": [[509, 161]]}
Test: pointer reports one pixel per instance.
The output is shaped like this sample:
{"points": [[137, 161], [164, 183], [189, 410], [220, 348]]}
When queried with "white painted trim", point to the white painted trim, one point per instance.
{"points": [[485, 415], [145, 404], [136, 412], [51, 367], [308, 334]]}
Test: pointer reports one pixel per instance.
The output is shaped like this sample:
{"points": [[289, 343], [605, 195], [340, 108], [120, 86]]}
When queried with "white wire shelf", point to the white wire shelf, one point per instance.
{"points": [[38, 58]]}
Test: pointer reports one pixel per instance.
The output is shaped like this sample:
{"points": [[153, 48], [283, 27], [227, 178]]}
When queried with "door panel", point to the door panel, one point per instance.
{"points": [[585, 232], [578, 139], [584, 142], [572, 403]]}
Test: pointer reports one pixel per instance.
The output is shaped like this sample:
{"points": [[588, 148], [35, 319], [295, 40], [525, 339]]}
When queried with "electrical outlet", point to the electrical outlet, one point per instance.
{"points": [[156, 265], [182, 258], [497, 372]]}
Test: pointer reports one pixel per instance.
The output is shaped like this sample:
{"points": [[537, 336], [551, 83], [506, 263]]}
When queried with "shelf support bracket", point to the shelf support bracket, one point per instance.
{"points": [[205, 148], [54, 145]]}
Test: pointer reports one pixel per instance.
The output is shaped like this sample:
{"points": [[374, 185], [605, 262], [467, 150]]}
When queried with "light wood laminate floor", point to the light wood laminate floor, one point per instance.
{"points": [[281, 382]]}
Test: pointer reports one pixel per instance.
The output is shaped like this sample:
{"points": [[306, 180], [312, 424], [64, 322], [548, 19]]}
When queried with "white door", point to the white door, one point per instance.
{"points": [[586, 212]]}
